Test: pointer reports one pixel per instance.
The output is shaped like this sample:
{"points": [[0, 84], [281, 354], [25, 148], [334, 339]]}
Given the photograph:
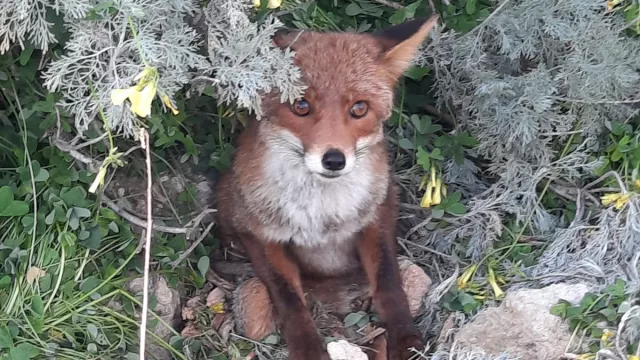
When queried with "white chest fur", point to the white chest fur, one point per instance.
{"points": [[312, 212]]}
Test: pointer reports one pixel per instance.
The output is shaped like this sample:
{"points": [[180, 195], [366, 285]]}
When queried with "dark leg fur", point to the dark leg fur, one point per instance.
{"points": [[281, 276], [377, 249]]}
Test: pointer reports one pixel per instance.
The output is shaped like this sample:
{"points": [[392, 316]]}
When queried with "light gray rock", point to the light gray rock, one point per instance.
{"points": [[167, 308], [522, 325]]}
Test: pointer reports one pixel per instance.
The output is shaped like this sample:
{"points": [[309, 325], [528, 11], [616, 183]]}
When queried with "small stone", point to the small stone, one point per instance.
{"points": [[343, 350], [415, 283], [190, 308], [167, 307], [216, 296], [190, 330], [522, 325]]}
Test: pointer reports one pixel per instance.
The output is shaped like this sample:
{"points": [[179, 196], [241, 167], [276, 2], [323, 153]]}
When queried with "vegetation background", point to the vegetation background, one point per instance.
{"points": [[515, 138]]}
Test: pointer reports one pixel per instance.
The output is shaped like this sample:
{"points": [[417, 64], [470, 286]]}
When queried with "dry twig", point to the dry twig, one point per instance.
{"points": [[144, 143]]}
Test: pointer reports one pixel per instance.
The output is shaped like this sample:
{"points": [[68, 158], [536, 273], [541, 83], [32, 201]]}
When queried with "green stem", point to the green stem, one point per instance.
{"points": [[135, 37], [59, 281]]}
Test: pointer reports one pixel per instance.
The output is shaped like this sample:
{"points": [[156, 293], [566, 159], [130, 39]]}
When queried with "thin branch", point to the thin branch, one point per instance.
{"points": [[623, 188], [140, 222], [90, 142], [193, 246], [69, 149], [93, 165], [486, 20], [144, 143]]}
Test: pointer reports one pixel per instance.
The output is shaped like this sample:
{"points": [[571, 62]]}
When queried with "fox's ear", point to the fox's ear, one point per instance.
{"points": [[285, 37], [400, 44]]}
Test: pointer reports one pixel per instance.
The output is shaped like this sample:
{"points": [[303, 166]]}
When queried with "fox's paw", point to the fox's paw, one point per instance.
{"points": [[400, 342]]}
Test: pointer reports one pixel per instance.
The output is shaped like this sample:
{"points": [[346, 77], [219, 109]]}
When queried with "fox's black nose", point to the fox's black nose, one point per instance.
{"points": [[333, 160]]}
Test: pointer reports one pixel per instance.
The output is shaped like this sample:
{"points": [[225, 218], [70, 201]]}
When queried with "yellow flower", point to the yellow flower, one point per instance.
{"points": [[167, 103], [466, 275], [492, 281], [423, 182], [118, 96], [610, 198], [141, 101], [217, 308], [634, 357], [638, 183], [271, 4], [426, 198], [606, 335], [436, 192], [98, 180], [612, 4], [622, 201], [141, 96]]}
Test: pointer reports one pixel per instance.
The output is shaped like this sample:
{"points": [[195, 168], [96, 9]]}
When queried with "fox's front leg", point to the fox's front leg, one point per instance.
{"points": [[281, 276], [377, 249]]}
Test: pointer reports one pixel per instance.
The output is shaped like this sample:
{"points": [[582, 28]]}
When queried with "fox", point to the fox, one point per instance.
{"points": [[310, 195]]}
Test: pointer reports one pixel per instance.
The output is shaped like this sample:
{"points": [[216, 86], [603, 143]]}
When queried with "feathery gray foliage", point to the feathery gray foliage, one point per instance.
{"points": [[22, 20], [103, 55], [530, 76], [245, 60]]}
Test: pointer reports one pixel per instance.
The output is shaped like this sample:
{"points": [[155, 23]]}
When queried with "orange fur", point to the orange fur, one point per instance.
{"points": [[305, 219]]}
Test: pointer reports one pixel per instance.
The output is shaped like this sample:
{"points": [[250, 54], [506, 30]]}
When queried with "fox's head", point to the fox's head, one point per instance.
{"points": [[350, 82]]}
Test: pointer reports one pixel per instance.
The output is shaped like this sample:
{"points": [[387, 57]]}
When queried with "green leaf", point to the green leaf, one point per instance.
{"points": [[92, 330], [16, 208], [364, 321], [272, 339], [436, 154], [50, 218], [398, 17], [405, 144], [559, 309], [466, 299], [5, 338], [353, 9], [45, 282], [37, 306], [67, 239], [94, 239], [410, 10], [75, 196], [6, 197], [609, 314], [457, 209], [596, 332], [437, 213], [82, 213], [89, 284], [24, 351], [203, 265], [43, 175], [417, 73], [353, 319], [25, 55], [423, 159], [470, 7]]}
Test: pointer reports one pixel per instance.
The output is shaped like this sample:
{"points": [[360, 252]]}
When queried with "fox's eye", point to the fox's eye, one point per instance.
{"points": [[359, 109], [301, 107]]}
